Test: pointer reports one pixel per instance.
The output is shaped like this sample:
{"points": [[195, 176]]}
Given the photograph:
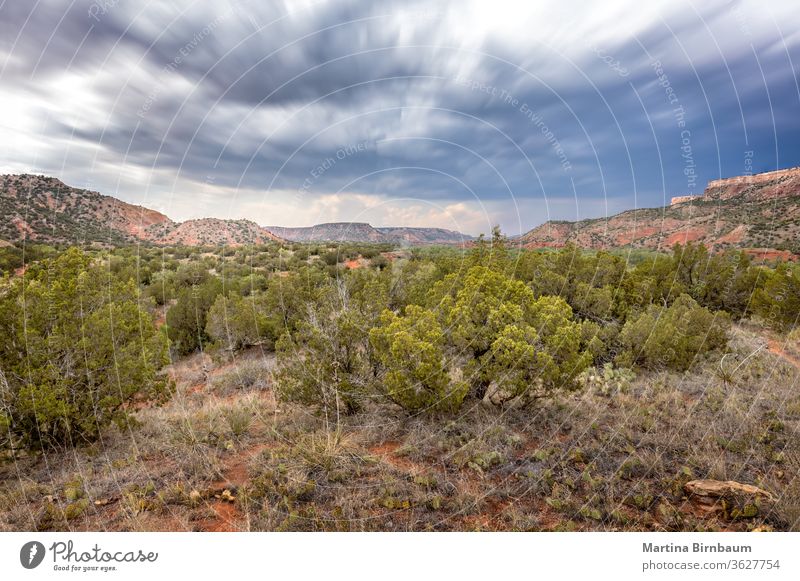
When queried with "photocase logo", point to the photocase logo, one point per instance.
{"points": [[31, 554]]}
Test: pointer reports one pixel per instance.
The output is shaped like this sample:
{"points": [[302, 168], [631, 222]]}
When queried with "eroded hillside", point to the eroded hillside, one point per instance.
{"points": [[760, 213]]}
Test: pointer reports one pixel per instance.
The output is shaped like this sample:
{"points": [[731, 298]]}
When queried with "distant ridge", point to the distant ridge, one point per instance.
{"points": [[760, 213], [44, 209], [363, 232]]}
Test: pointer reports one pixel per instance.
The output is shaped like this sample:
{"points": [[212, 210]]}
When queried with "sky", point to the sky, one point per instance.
{"points": [[459, 115]]}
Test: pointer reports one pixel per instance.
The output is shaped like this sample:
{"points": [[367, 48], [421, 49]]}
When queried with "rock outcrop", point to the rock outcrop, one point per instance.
{"points": [[682, 199], [757, 187], [759, 213], [728, 499]]}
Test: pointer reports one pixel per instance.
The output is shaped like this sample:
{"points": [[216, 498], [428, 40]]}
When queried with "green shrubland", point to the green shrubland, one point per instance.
{"points": [[424, 330], [77, 350]]}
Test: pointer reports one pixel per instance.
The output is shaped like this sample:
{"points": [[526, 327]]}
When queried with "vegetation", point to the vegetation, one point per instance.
{"points": [[77, 350], [236, 321], [411, 351], [553, 376], [187, 319], [672, 336]]}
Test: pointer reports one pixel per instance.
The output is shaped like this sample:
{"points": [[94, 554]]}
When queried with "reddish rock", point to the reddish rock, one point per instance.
{"points": [[742, 212]]}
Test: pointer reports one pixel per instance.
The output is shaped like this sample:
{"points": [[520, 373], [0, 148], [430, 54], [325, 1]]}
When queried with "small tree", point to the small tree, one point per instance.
{"points": [[326, 361], [690, 265], [489, 311], [672, 336], [379, 261], [778, 302], [76, 350], [410, 349], [481, 306], [187, 318], [730, 284], [530, 360], [235, 322], [286, 298]]}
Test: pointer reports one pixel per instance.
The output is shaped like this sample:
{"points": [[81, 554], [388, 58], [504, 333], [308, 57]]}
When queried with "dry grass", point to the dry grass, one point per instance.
{"points": [[222, 456]]}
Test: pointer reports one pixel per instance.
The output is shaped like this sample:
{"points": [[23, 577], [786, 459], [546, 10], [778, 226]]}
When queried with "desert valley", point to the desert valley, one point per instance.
{"points": [[635, 372]]}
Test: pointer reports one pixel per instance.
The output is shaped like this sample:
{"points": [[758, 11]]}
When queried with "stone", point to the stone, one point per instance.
{"points": [[727, 498], [495, 395]]}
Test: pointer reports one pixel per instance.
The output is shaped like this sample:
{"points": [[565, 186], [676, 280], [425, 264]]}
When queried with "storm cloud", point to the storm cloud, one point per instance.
{"points": [[453, 114]]}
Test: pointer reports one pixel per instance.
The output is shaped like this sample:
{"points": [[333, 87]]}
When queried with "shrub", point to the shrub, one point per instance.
{"points": [[326, 362], [253, 283], [482, 306], [538, 356], [191, 274], [730, 283], [672, 337], [77, 348], [778, 302], [235, 322], [410, 348], [187, 318], [286, 298], [600, 340], [593, 303], [161, 287], [332, 257], [379, 261], [522, 344]]}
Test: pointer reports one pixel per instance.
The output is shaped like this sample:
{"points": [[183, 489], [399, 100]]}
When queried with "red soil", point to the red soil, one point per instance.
{"points": [[388, 453], [684, 236], [778, 349], [227, 514]]}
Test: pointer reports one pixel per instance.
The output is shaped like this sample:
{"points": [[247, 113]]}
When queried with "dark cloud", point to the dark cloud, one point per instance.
{"points": [[428, 102]]}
